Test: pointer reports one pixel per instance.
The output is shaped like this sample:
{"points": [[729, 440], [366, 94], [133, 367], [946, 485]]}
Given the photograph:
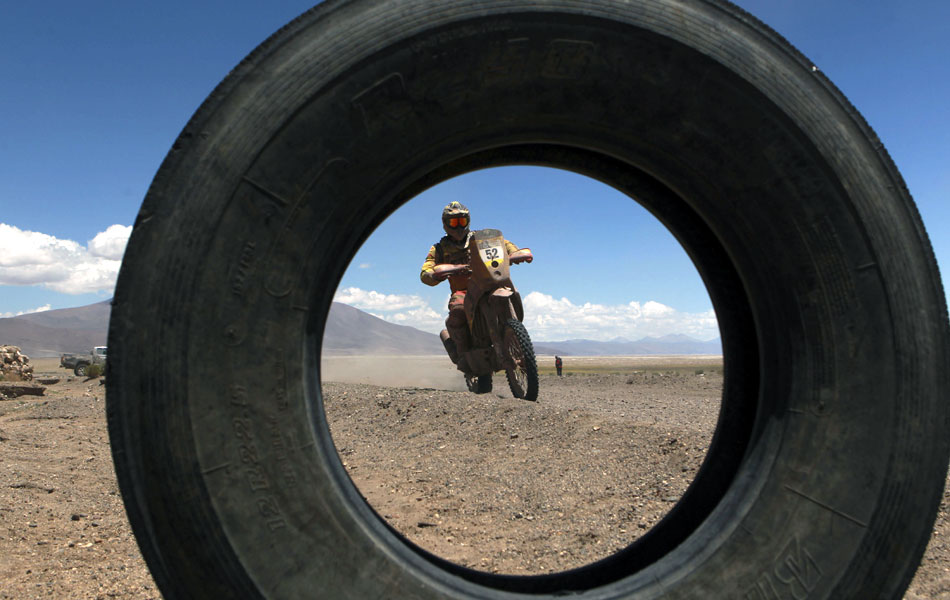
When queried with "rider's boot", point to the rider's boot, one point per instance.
{"points": [[456, 324], [459, 335], [450, 347]]}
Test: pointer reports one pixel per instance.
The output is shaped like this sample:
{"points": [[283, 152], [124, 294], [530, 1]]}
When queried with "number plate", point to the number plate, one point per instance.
{"points": [[492, 252]]}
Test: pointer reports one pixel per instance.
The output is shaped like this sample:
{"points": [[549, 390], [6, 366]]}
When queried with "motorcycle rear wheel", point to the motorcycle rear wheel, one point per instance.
{"points": [[523, 380]]}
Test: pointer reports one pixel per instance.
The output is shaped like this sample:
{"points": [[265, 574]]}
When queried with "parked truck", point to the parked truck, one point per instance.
{"points": [[79, 362]]}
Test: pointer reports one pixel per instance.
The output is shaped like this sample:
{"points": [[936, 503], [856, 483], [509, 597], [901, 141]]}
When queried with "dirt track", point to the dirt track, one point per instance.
{"points": [[509, 486], [491, 482]]}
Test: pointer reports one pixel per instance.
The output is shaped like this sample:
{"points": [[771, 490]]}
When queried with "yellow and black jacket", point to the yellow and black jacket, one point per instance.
{"points": [[455, 252]]}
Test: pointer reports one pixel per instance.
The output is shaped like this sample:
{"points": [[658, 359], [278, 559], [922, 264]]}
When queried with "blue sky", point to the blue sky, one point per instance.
{"points": [[93, 94]]}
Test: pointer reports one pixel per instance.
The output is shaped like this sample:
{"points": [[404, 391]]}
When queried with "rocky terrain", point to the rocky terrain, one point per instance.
{"points": [[491, 482], [14, 365], [63, 529], [508, 486]]}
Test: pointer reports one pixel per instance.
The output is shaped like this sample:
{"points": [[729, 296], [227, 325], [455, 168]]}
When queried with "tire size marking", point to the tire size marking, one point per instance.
{"points": [[254, 473], [792, 576], [562, 59], [463, 32], [567, 59], [507, 62], [240, 273], [280, 387], [386, 102], [283, 444]]}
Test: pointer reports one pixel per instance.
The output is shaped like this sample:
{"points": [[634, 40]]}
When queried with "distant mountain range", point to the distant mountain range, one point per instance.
{"points": [[668, 344], [352, 331], [349, 331], [53, 332]]}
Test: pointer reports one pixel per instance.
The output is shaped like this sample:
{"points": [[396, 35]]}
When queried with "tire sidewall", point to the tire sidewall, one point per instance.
{"points": [[835, 465]]}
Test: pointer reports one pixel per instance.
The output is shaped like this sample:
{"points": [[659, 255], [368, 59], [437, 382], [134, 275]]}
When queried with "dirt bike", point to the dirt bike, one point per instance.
{"points": [[498, 339]]}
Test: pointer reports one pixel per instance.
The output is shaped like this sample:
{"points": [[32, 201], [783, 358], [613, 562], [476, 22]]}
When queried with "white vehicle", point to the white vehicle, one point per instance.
{"points": [[97, 356]]}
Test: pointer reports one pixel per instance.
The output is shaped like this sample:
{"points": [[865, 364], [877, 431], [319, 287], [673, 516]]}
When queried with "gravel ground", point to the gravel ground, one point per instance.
{"points": [[491, 482], [63, 529], [509, 486]]}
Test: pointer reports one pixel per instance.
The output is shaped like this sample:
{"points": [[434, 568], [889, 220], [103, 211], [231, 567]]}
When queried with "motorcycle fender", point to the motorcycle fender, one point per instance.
{"points": [[519, 308], [506, 295]]}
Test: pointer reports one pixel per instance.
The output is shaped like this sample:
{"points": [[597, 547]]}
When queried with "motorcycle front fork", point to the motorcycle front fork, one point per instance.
{"points": [[504, 310]]}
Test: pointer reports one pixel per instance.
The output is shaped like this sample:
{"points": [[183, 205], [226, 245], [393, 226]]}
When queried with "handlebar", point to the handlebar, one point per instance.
{"points": [[523, 255], [443, 272]]}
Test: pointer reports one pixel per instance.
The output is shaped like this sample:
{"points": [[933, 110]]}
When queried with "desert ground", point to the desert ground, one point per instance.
{"points": [[490, 482]]}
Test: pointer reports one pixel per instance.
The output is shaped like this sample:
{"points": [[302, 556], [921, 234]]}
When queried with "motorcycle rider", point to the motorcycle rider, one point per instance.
{"points": [[451, 254]]}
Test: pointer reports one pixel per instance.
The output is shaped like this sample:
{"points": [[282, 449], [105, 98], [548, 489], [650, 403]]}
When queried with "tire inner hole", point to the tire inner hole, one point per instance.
{"points": [[498, 484]]}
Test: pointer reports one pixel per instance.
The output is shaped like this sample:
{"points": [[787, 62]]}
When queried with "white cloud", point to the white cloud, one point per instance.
{"points": [[34, 258], [655, 310], [423, 318], [549, 318], [401, 309], [38, 309], [110, 243], [365, 266], [372, 300]]}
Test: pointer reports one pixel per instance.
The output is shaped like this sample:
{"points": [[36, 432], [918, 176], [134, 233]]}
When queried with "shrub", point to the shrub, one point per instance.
{"points": [[94, 371]]}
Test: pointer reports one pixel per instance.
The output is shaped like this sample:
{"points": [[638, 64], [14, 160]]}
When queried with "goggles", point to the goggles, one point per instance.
{"points": [[458, 222]]}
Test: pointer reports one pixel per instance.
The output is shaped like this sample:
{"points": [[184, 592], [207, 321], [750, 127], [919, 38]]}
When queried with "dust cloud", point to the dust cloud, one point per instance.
{"points": [[438, 372], [435, 372]]}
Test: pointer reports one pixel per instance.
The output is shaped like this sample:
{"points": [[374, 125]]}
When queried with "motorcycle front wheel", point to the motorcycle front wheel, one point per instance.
{"points": [[523, 376]]}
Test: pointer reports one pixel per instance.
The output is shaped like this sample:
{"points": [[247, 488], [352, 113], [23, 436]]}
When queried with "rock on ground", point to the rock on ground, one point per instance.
{"points": [[14, 364], [15, 389]]}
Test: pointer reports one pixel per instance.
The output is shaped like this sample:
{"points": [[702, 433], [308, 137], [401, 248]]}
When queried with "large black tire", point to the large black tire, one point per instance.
{"points": [[80, 369], [523, 381], [825, 473]]}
